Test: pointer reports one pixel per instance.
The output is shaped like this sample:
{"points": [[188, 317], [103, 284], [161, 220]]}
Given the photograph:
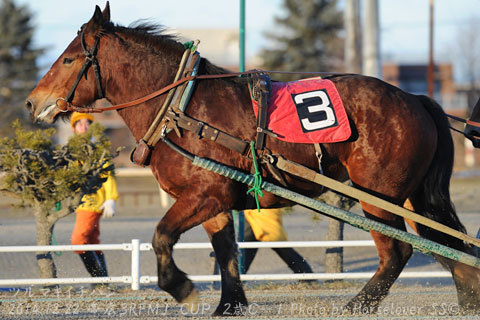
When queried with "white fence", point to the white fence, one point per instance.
{"points": [[135, 279]]}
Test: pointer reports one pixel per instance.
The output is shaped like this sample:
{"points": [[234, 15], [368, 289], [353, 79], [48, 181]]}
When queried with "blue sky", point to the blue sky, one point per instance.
{"points": [[404, 23]]}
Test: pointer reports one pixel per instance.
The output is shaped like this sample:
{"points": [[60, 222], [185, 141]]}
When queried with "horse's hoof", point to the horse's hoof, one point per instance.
{"points": [[192, 302], [469, 308]]}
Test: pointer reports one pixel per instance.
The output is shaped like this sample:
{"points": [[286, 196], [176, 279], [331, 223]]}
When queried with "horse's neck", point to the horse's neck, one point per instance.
{"points": [[131, 77]]}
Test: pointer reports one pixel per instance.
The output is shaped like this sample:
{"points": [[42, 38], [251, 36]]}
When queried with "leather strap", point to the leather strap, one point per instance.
{"points": [[466, 121], [319, 154], [160, 115], [142, 152], [261, 93], [90, 60], [66, 106], [205, 131], [150, 96], [180, 99]]}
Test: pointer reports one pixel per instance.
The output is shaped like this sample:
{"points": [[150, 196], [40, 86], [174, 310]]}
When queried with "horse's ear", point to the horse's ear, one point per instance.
{"points": [[97, 16], [106, 12], [96, 21]]}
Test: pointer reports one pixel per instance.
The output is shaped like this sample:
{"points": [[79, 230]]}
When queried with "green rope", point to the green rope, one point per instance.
{"points": [[353, 219], [257, 185], [190, 45], [58, 207]]}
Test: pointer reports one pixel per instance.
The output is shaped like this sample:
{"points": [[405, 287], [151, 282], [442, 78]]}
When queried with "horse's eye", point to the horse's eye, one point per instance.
{"points": [[68, 60]]}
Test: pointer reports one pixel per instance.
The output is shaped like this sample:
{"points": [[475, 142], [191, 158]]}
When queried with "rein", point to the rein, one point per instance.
{"points": [[466, 121], [475, 140], [65, 104]]}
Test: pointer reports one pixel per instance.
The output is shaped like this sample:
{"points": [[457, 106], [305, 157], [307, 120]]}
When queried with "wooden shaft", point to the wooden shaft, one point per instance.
{"points": [[311, 175]]}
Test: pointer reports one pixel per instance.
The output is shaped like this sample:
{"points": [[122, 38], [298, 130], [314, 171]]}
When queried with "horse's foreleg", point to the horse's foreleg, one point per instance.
{"points": [[393, 255], [182, 216], [222, 235]]}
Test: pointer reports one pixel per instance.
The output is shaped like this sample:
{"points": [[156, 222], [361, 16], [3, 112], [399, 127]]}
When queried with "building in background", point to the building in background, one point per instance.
{"points": [[413, 78], [452, 97]]}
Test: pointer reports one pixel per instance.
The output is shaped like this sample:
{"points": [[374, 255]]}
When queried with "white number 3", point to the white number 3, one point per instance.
{"points": [[324, 106]]}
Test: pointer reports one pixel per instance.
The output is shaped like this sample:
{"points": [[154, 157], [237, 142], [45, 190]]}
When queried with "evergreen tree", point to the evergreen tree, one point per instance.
{"points": [[50, 179], [308, 38], [18, 68]]}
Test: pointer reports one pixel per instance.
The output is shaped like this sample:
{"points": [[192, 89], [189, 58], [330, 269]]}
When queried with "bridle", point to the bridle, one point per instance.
{"points": [[90, 60]]}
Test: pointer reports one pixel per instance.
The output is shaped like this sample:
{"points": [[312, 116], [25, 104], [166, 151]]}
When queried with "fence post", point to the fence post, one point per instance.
{"points": [[135, 264]]}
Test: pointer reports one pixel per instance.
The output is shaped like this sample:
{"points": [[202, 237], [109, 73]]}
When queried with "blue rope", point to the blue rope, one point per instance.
{"points": [[257, 184]]}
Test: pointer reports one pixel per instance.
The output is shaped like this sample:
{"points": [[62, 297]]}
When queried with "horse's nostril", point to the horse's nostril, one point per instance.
{"points": [[29, 105]]}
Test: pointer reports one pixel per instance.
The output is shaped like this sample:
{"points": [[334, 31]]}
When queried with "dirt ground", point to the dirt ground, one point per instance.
{"points": [[409, 298]]}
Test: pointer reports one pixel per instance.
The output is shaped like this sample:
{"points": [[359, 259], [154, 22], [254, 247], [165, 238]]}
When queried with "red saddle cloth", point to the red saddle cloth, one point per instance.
{"points": [[307, 111]]}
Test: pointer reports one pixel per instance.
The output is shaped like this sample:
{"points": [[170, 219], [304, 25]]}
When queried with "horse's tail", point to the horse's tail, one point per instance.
{"points": [[432, 198]]}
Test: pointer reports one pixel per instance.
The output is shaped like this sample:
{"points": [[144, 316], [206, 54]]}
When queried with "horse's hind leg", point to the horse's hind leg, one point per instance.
{"points": [[467, 281], [221, 232], [393, 255], [466, 278], [182, 216]]}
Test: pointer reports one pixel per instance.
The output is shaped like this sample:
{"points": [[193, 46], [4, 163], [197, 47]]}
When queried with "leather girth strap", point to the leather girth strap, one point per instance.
{"points": [[205, 131]]}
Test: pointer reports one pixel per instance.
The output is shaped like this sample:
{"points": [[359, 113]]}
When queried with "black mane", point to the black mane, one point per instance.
{"points": [[156, 37], [145, 33]]}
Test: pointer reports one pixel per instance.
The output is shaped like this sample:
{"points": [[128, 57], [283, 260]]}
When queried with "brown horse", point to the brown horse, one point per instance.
{"points": [[400, 149]]}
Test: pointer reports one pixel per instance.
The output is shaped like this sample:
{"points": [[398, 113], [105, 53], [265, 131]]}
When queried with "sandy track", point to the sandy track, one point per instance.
{"points": [[429, 298]]}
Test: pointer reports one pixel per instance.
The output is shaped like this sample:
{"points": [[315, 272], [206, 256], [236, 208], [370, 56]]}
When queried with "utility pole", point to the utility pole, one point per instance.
{"points": [[241, 58], [353, 41], [430, 72], [238, 216], [371, 43]]}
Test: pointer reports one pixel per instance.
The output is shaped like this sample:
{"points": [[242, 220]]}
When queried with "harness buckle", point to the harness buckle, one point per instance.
{"points": [[198, 130], [65, 105]]}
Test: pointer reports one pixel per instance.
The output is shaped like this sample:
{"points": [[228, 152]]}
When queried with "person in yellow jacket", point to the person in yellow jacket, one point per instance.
{"points": [[93, 207], [267, 225]]}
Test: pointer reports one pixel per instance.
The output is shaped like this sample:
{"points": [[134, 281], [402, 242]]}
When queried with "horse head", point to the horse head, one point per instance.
{"points": [[51, 98]]}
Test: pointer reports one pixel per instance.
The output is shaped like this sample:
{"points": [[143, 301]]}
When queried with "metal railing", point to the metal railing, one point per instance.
{"points": [[135, 279]]}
